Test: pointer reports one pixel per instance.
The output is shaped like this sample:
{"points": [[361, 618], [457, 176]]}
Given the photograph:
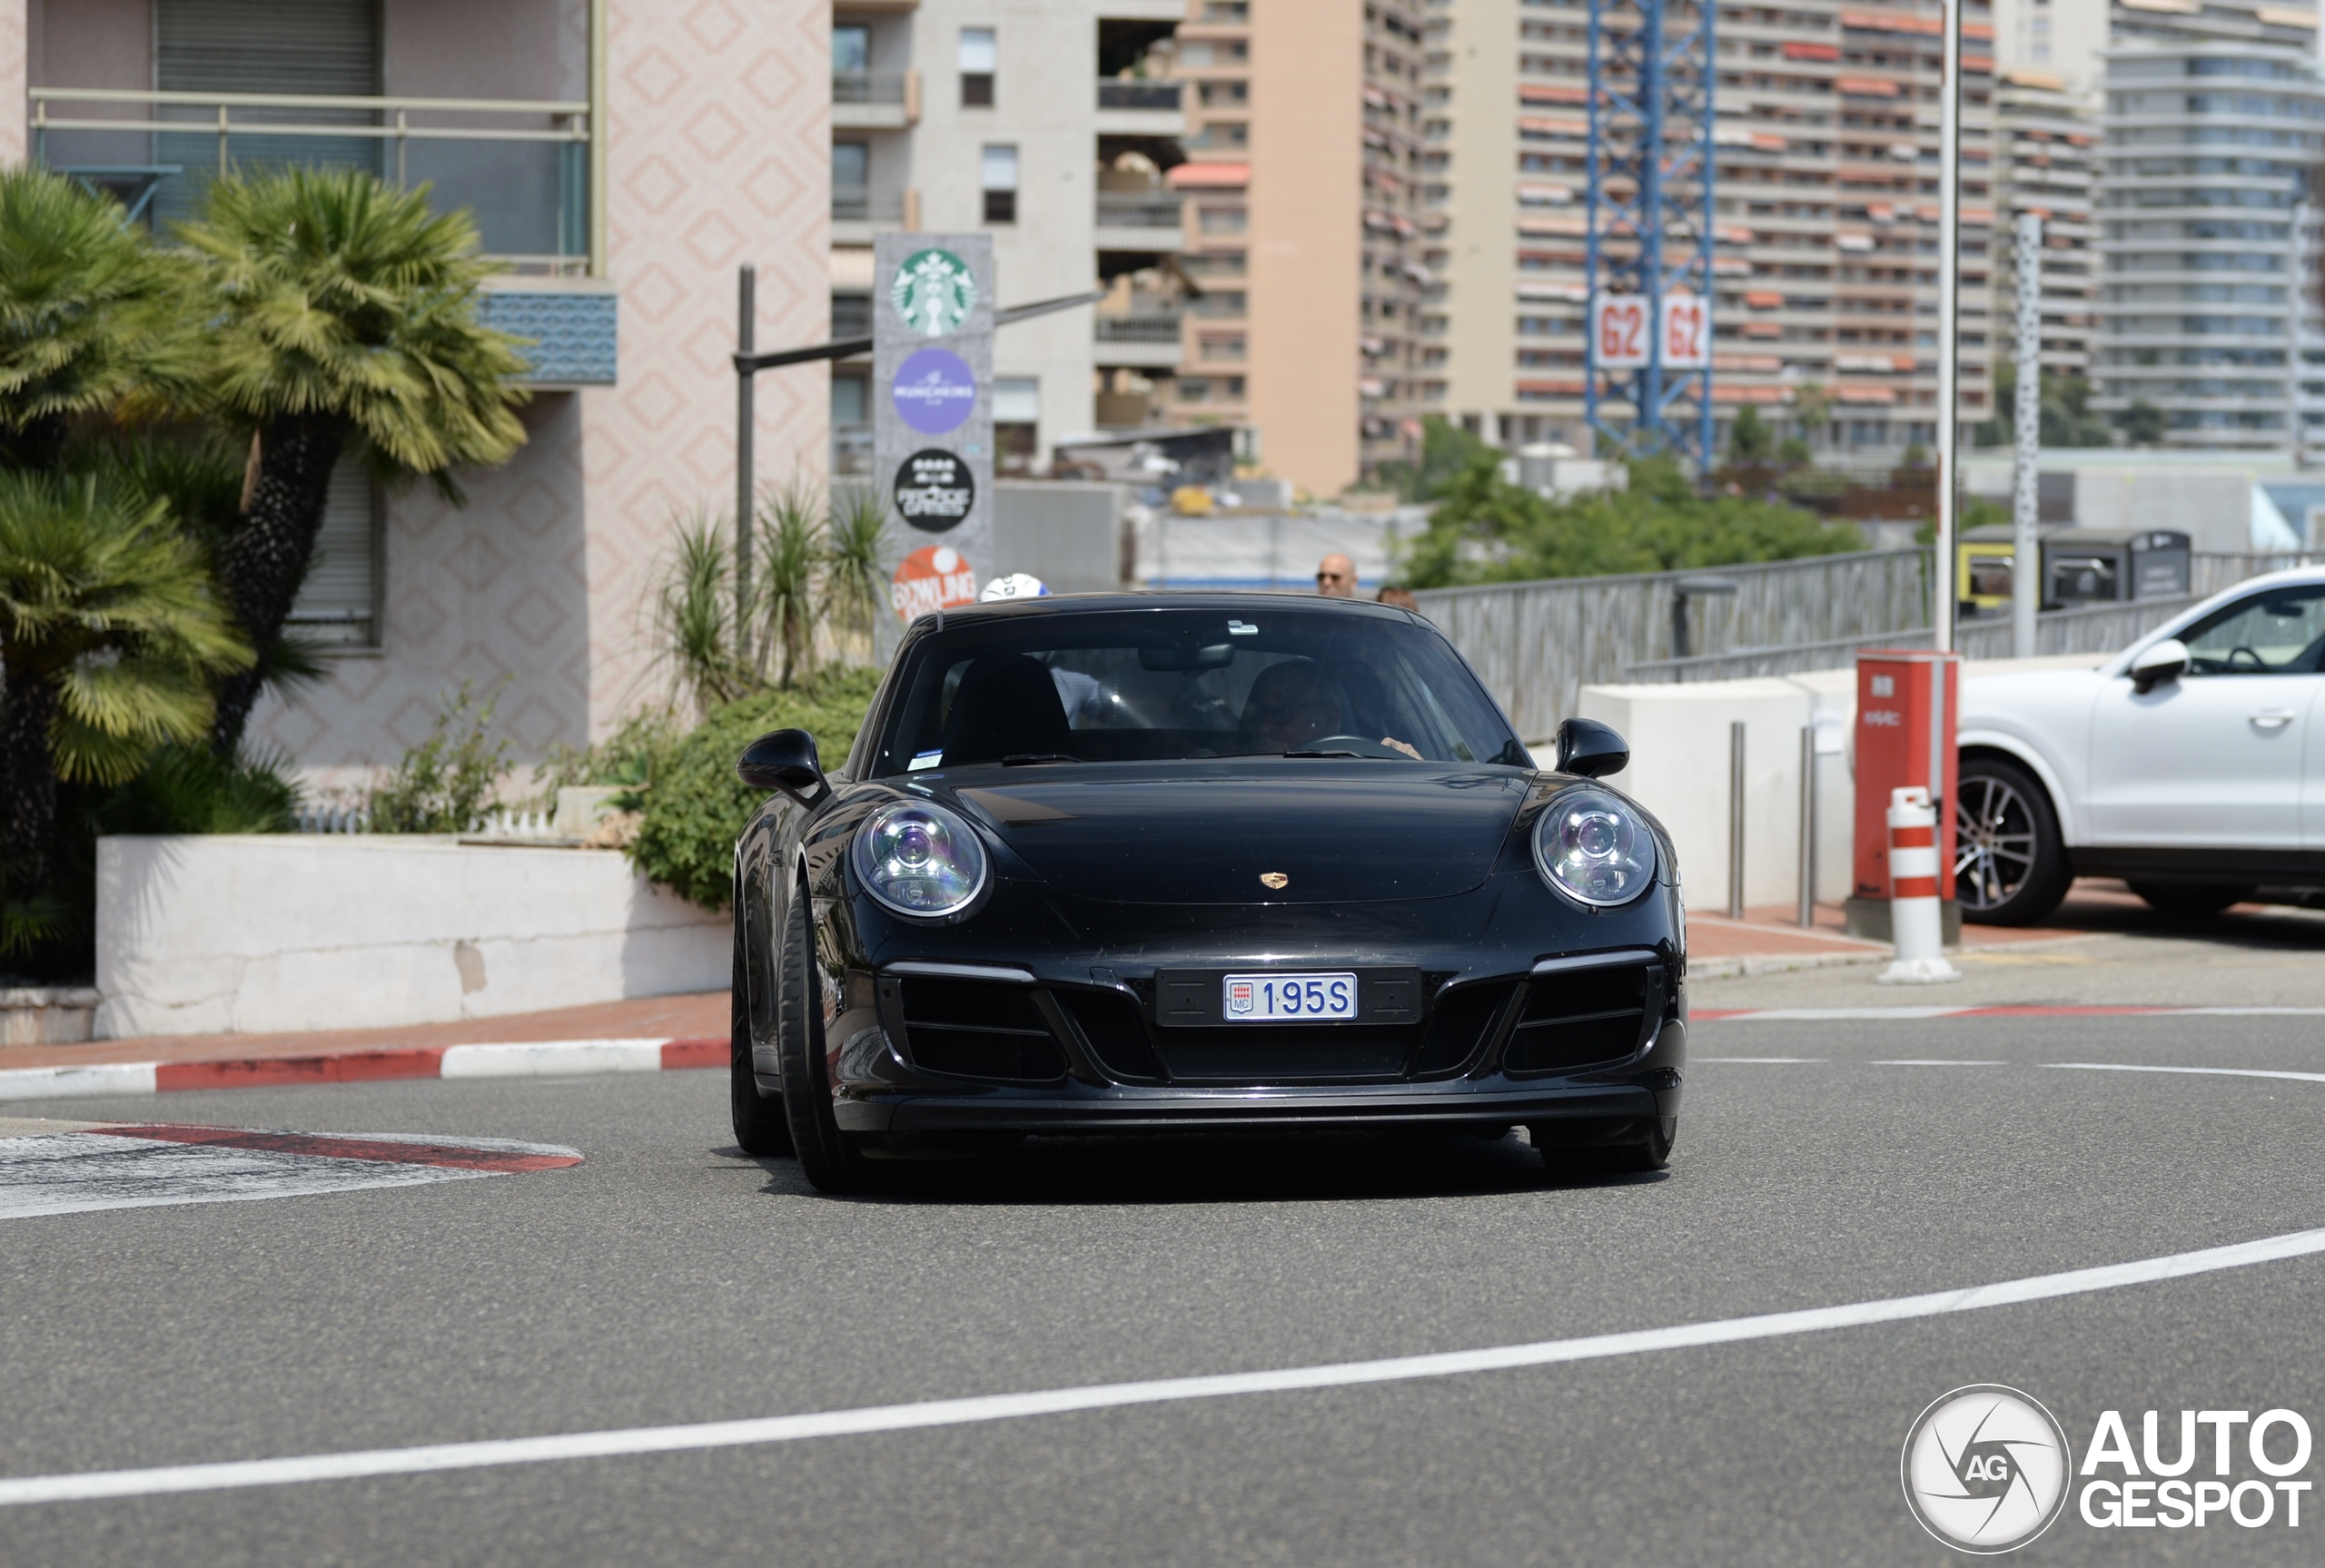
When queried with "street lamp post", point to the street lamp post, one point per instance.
{"points": [[1949, 352]]}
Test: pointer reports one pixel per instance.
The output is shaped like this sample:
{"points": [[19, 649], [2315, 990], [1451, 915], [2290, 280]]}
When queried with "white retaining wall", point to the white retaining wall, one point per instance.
{"points": [[1678, 737], [282, 931]]}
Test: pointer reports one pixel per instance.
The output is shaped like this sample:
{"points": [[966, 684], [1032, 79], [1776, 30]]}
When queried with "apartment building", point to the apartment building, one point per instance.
{"points": [[2063, 38], [1826, 216], [1301, 219], [627, 157], [2046, 162], [1037, 121], [2215, 122]]}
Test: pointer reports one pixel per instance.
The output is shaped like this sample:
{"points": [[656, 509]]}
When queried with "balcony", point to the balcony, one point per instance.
{"points": [[1143, 342], [521, 168], [1139, 222], [858, 212], [1135, 106], [875, 101]]}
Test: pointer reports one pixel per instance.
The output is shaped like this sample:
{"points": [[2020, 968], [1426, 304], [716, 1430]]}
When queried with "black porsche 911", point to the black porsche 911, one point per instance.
{"points": [[1117, 863]]}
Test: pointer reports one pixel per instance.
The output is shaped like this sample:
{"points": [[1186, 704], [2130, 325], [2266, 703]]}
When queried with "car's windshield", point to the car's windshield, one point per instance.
{"points": [[2281, 632], [1163, 684]]}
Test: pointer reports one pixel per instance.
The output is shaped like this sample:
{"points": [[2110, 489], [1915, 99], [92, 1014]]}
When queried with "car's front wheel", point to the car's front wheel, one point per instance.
{"points": [[759, 1123], [2010, 860], [828, 1158], [2188, 900]]}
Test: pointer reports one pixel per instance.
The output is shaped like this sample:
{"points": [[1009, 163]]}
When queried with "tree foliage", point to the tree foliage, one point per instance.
{"points": [[2066, 417], [1488, 530]]}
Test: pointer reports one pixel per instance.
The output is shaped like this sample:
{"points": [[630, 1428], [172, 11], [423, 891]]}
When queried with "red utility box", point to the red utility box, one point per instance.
{"points": [[1907, 702]]}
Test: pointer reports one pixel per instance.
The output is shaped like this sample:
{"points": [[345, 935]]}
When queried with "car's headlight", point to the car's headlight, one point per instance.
{"points": [[919, 859], [1592, 847]]}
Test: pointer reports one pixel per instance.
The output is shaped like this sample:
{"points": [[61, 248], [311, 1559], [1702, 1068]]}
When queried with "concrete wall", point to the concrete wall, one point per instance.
{"points": [[1068, 535], [16, 48], [1306, 239], [1678, 737], [276, 932]]}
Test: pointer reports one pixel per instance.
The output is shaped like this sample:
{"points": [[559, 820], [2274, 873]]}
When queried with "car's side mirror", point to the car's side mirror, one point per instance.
{"points": [[784, 760], [1591, 749], [2167, 661]]}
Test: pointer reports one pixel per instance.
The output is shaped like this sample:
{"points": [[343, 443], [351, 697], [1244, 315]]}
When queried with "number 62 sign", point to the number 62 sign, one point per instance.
{"points": [[1619, 332]]}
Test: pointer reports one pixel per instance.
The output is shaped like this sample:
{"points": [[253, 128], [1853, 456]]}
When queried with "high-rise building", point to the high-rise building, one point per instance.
{"points": [[1302, 229], [2210, 313], [949, 116], [2061, 38], [1826, 214], [2045, 160]]}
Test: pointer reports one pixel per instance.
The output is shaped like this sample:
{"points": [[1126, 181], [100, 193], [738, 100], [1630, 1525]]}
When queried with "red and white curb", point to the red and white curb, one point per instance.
{"points": [[1913, 1014], [527, 1058], [74, 1168]]}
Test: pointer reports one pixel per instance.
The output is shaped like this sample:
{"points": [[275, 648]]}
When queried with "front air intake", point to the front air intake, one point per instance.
{"points": [[968, 1029], [1585, 1018]]}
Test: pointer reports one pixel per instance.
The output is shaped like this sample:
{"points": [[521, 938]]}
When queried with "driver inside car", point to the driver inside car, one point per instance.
{"points": [[1292, 706]]}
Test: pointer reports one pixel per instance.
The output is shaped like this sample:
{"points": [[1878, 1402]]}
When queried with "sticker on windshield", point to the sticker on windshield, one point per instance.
{"points": [[924, 760], [1242, 629]]}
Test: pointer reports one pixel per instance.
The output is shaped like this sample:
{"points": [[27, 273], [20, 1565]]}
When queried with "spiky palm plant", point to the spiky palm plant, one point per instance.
{"points": [[783, 608], [89, 313], [110, 635], [345, 310], [692, 616], [853, 579]]}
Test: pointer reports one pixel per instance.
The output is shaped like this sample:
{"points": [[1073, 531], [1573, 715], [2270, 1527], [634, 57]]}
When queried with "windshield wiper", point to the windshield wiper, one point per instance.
{"points": [[1331, 754], [1022, 759]]}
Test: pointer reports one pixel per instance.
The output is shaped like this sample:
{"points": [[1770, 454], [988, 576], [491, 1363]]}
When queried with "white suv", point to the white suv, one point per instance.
{"points": [[2192, 764]]}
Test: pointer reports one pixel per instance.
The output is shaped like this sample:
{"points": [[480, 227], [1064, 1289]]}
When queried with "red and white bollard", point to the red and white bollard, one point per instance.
{"points": [[1914, 919]]}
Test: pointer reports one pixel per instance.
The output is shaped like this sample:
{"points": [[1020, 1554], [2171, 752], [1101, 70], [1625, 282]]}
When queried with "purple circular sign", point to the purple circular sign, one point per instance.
{"points": [[934, 391]]}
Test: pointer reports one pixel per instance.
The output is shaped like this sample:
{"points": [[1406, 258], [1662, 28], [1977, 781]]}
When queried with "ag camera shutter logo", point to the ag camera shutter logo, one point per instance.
{"points": [[1986, 1469]]}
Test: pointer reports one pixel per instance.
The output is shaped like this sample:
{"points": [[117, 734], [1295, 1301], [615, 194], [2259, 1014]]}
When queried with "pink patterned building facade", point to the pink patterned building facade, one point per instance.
{"points": [[669, 142]]}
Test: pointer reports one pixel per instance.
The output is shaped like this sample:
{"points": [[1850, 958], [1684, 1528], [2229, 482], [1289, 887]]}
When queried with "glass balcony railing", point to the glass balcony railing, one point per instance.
{"points": [[1132, 211], [520, 167], [860, 204], [1118, 92], [868, 87]]}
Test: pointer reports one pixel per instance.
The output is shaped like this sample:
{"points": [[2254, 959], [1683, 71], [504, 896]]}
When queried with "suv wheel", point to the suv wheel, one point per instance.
{"points": [[2010, 864]]}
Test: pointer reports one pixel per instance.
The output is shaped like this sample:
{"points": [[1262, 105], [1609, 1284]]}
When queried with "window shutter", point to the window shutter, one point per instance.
{"points": [[339, 604], [315, 47]]}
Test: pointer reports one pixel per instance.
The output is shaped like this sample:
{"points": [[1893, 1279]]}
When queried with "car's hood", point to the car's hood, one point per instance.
{"points": [[1335, 832]]}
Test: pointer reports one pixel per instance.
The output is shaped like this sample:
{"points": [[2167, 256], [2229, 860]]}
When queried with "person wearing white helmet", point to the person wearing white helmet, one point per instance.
{"points": [[1015, 586]]}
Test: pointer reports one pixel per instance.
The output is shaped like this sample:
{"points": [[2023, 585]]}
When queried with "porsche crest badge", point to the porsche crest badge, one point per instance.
{"points": [[1274, 878]]}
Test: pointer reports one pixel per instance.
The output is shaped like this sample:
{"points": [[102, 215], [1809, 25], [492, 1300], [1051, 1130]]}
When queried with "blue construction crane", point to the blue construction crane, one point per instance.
{"points": [[1648, 231]]}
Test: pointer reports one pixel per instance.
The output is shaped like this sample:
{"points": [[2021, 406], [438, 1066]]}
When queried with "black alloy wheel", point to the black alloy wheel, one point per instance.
{"points": [[760, 1126], [2188, 899], [829, 1158], [2010, 863]]}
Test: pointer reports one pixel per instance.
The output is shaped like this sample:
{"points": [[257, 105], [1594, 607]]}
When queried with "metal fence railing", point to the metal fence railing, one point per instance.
{"points": [[1536, 644]]}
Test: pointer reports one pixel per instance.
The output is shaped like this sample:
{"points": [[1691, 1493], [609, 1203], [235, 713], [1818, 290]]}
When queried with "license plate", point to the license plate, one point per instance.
{"points": [[1278, 998]]}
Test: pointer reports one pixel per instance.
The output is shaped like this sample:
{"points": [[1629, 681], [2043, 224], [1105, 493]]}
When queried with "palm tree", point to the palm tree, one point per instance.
{"points": [[692, 616], [109, 637], [345, 311], [853, 579], [783, 608], [89, 312]]}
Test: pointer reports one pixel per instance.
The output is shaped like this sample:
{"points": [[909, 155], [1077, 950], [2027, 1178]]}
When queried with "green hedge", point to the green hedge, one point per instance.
{"points": [[695, 805]]}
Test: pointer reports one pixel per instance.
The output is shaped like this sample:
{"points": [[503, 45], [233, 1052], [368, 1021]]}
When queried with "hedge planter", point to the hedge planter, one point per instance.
{"points": [[46, 1015]]}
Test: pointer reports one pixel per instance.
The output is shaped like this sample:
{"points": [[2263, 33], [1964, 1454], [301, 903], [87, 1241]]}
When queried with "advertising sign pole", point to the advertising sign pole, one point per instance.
{"points": [[932, 413]]}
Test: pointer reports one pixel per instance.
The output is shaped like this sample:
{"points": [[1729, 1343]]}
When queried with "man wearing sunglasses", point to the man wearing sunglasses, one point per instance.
{"points": [[1336, 576]]}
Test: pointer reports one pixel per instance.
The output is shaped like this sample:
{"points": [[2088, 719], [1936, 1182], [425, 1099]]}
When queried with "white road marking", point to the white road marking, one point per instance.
{"points": [[1936, 1061], [548, 1058], [2211, 1072], [91, 1486], [1770, 1061], [1838, 1014]]}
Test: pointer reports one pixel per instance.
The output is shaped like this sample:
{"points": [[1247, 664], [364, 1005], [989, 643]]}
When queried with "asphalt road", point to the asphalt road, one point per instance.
{"points": [[669, 1280]]}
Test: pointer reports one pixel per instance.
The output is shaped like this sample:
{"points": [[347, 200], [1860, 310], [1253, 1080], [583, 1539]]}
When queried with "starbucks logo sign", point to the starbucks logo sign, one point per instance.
{"points": [[933, 292]]}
